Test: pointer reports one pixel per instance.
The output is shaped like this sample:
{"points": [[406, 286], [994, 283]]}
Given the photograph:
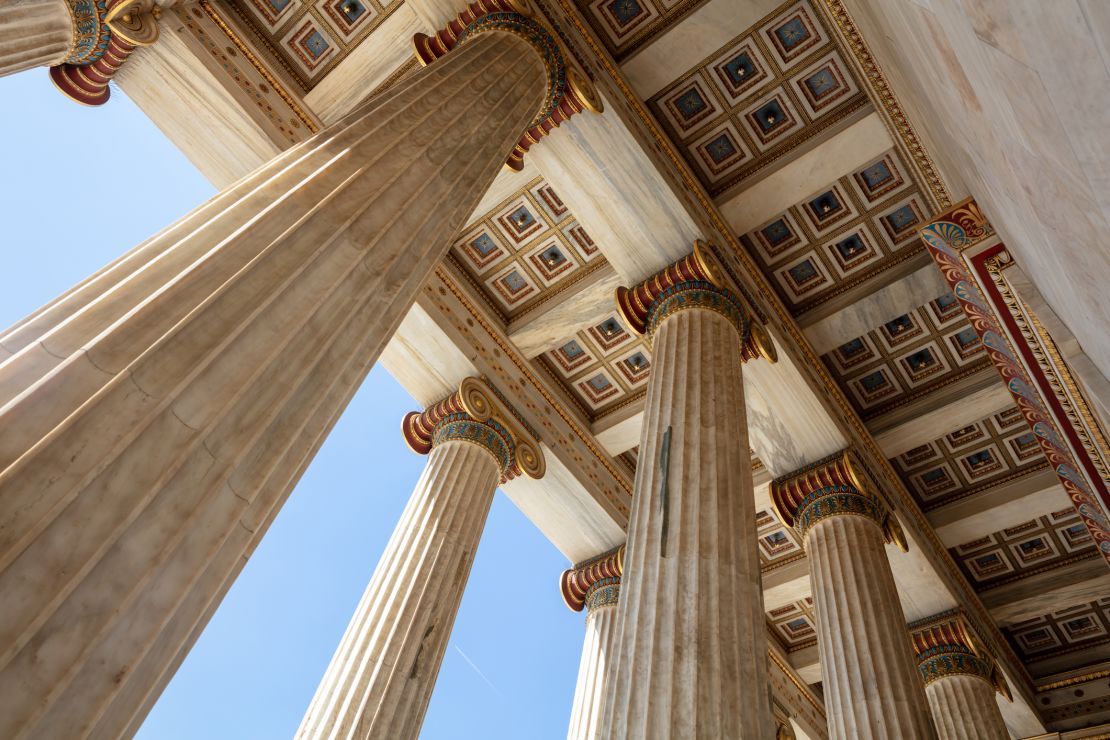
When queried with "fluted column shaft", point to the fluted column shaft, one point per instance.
{"points": [[872, 690], [964, 707], [691, 656], [196, 378], [380, 680], [33, 33], [597, 650]]}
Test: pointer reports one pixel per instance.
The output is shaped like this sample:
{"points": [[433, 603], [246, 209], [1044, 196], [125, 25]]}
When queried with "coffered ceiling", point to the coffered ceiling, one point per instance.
{"points": [[308, 38], [760, 95], [739, 110]]}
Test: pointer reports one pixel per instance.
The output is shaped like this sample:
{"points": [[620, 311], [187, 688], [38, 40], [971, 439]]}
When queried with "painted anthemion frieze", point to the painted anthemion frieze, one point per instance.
{"points": [[784, 322]]}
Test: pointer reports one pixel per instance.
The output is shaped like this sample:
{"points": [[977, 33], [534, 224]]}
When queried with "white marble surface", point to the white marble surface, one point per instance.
{"points": [[562, 508], [773, 193], [788, 424], [196, 107], [1014, 93], [1000, 507], [424, 360], [934, 418], [613, 188], [597, 649], [691, 649], [871, 685], [877, 308], [964, 707], [556, 322]]}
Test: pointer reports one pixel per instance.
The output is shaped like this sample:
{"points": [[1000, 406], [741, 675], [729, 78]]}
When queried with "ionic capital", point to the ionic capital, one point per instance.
{"points": [[946, 645], [692, 283], [835, 486], [568, 90], [594, 583], [105, 33], [477, 413]]}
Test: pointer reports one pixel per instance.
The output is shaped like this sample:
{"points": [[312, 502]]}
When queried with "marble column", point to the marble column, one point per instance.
{"points": [[867, 669], [35, 33], [594, 585], [691, 654], [199, 376], [381, 677], [960, 680]]}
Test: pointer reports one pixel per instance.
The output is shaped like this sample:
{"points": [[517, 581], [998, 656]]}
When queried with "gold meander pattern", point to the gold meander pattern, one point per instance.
{"points": [[1050, 362], [976, 612]]}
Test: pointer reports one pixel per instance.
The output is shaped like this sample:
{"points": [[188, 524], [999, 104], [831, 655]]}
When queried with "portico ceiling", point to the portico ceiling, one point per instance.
{"points": [[773, 136]]}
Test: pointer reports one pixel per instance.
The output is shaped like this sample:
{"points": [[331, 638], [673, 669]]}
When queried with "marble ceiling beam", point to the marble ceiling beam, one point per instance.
{"points": [[1042, 593], [771, 194], [786, 584], [880, 306], [198, 104], [999, 507], [558, 320], [935, 414], [616, 191], [684, 44], [806, 662]]}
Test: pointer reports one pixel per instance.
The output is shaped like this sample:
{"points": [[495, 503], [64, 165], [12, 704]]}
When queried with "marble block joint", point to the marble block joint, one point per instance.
{"points": [[569, 90]]}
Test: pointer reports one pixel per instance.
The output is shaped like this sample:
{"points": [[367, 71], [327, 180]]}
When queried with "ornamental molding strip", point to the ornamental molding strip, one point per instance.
{"points": [[480, 414], [834, 486], [569, 91], [946, 645], [969, 253]]}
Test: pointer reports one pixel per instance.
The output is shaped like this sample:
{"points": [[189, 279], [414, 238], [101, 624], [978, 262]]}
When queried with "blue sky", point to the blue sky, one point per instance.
{"points": [[84, 185]]}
